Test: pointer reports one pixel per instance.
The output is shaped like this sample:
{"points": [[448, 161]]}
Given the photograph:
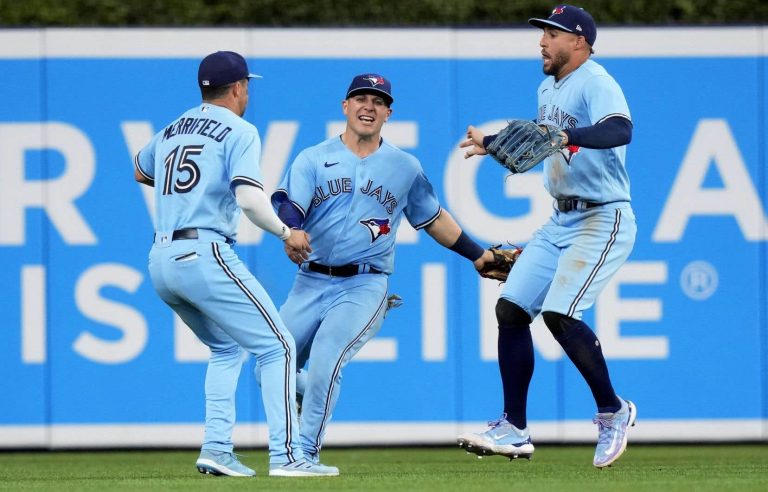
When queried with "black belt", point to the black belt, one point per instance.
{"points": [[191, 234], [340, 271], [566, 205]]}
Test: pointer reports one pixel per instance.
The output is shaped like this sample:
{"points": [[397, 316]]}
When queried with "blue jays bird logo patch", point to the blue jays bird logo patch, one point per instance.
{"points": [[377, 227], [374, 79], [569, 151]]}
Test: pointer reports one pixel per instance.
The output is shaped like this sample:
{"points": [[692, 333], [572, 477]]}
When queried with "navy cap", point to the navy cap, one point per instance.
{"points": [[371, 83], [222, 68], [571, 19]]}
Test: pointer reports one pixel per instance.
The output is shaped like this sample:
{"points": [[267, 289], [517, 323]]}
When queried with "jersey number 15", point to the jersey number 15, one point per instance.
{"points": [[184, 164]]}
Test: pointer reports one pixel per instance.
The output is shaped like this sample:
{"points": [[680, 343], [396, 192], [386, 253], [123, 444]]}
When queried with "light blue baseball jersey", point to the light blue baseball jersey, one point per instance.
{"points": [[194, 164], [353, 206], [585, 97], [185, 159]]}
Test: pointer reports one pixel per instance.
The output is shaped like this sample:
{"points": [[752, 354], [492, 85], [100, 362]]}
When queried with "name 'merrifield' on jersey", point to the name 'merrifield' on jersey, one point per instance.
{"points": [[201, 126], [334, 187], [557, 116]]}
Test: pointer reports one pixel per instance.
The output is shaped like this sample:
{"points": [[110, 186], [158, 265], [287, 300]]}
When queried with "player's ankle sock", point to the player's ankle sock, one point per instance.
{"points": [[583, 348], [516, 367]]}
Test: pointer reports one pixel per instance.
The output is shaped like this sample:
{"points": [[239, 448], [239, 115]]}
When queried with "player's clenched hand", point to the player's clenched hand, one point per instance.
{"points": [[486, 258], [474, 141], [297, 246]]}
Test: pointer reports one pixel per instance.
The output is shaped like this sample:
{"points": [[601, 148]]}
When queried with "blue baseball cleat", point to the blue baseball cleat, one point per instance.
{"points": [[612, 438], [222, 463], [501, 438], [303, 468]]}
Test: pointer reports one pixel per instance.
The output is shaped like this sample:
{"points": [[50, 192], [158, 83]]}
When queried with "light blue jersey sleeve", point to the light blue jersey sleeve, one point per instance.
{"points": [[298, 183], [144, 161], [604, 99], [423, 206], [245, 158]]}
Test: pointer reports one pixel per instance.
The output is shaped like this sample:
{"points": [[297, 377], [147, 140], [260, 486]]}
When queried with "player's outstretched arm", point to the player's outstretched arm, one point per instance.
{"points": [[255, 205], [446, 231]]}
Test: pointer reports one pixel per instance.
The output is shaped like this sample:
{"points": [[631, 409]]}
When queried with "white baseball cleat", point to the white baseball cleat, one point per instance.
{"points": [[501, 438]]}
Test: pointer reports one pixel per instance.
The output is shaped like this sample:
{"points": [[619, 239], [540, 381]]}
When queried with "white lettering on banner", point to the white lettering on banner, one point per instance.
{"points": [[378, 350], [126, 319], [278, 142], [56, 196], [543, 341], [434, 346], [462, 199], [33, 309], [186, 346], [137, 134], [611, 310], [713, 142]]}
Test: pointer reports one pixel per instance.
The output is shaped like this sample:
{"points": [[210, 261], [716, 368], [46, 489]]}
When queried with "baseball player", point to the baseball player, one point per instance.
{"points": [[573, 256], [350, 194], [204, 167]]}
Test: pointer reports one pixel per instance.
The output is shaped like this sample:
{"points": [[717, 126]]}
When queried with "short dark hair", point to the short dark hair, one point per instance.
{"points": [[209, 93]]}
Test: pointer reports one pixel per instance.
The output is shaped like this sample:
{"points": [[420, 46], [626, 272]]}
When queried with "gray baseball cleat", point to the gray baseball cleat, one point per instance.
{"points": [[213, 462], [501, 438], [612, 428], [302, 468]]}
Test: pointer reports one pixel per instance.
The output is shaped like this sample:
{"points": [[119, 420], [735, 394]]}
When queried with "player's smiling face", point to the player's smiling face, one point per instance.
{"points": [[366, 114]]}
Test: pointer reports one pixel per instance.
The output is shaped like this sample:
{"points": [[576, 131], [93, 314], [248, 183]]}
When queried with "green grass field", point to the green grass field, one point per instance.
{"points": [[642, 468]]}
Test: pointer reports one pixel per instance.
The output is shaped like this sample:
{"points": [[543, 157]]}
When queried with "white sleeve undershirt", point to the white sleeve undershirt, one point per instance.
{"points": [[256, 206]]}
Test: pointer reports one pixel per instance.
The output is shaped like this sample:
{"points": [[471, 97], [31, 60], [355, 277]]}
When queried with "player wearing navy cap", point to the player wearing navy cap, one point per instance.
{"points": [[350, 193], [573, 256], [204, 167]]}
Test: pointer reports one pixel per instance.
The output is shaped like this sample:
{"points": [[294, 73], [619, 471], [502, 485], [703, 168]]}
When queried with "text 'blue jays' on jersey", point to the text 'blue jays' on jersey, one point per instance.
{"points": [[353, 206], [195, 164], [585, 97]]}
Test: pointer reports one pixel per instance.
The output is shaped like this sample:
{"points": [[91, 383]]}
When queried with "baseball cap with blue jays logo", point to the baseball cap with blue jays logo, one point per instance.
{"points": [[222, 68], [371, 83], [571, 19]]}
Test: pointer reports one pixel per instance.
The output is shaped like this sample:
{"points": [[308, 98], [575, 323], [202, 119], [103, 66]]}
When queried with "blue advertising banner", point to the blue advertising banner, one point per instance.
{"points": [[92, 357]]}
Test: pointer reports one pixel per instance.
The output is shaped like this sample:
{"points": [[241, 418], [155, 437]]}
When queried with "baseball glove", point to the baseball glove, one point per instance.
{"points": [[393, 301], [503, 261], [522, 144]]}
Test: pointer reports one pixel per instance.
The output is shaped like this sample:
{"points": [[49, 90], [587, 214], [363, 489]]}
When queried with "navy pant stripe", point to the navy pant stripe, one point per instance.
{"points": [[273, 327], [337, 369], [601, 261]]}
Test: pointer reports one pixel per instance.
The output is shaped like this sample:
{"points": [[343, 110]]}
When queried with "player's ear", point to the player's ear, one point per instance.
{"points": [[238, 88]]}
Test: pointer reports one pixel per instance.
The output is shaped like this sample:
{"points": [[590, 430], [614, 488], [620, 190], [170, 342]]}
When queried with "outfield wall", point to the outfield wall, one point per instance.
{"points": [[92, 358]]}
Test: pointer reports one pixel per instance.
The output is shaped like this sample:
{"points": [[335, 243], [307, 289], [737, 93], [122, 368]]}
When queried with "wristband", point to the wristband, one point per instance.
{"points": [[467, 248]]}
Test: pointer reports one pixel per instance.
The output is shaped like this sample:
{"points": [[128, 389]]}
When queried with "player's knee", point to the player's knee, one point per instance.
{"points": [[510, 314], [558, 323]]}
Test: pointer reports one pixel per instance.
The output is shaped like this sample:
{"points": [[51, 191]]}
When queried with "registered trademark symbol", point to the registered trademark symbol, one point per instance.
{"points": [[699, 280]]}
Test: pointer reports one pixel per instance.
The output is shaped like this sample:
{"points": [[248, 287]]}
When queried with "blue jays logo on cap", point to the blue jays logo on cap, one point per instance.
{"points": [[375, 79], [571, 19], [222, 68], [377, 227], [371, 83]]}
